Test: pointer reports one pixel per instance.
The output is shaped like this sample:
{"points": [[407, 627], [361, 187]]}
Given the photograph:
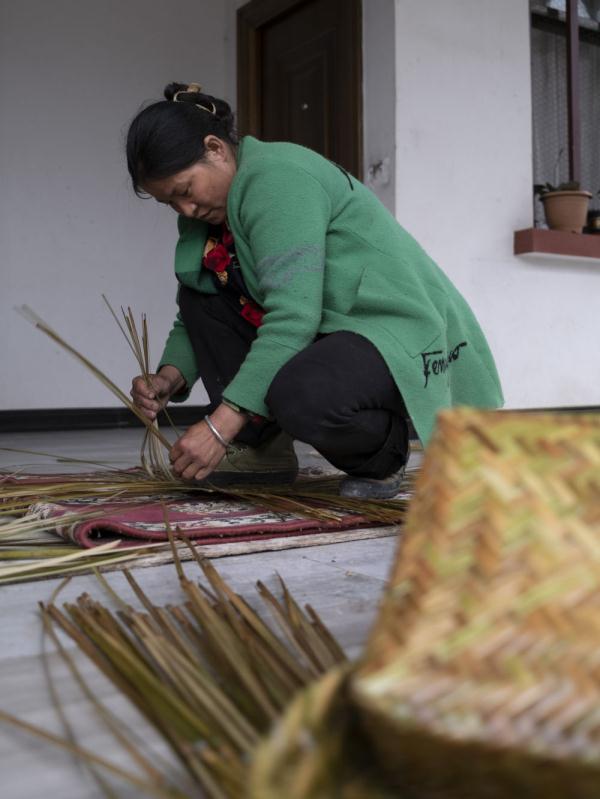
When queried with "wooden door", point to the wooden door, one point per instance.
{"points": [[300, 75]]}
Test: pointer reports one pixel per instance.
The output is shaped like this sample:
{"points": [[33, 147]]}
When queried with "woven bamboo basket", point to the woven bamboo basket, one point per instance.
{"points": [[481, 677]]}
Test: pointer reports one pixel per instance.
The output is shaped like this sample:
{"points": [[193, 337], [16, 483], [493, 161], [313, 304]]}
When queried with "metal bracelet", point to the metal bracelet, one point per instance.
{"points": [[215, 432]]}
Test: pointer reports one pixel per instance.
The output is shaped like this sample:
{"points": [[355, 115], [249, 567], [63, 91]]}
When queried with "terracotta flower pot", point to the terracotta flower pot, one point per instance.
{"points": [[566, 210]]}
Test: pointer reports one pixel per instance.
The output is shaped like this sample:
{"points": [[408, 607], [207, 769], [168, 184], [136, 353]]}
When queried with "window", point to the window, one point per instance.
{"points": [[552, 109]]}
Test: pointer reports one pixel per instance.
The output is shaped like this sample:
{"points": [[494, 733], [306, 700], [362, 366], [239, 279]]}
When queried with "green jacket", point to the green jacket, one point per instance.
{"points": [[320, 253]]}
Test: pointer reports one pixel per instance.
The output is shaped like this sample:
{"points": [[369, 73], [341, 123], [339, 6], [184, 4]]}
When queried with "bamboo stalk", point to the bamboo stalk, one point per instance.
{"points": [[210, 677]]}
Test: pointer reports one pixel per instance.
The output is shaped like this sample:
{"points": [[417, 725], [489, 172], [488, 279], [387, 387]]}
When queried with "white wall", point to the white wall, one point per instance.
{"points": [[72, 75], [464, 184]]}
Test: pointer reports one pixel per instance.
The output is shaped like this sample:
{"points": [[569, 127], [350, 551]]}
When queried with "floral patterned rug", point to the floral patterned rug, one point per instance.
{"points": [[207, 521]]}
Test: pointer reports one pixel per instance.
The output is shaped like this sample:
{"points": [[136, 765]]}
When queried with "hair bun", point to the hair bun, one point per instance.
{"points": [[191, 93]]}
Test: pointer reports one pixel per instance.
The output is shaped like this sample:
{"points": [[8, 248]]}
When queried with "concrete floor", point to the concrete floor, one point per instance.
{"points": [[342, 581]]}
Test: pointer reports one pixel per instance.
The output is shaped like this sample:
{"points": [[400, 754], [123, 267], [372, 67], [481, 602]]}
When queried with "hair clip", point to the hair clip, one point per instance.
{"points": [[194, 88]]}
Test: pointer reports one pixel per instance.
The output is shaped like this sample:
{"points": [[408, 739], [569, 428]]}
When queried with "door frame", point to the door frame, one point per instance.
{"points": [[253, 16]]}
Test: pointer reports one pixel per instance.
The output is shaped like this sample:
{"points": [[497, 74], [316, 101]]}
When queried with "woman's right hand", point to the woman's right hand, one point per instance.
{"points": [[151, 399]]}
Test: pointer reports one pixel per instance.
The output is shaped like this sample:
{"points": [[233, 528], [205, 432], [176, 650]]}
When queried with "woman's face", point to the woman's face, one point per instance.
{"points": [[200, 191]]}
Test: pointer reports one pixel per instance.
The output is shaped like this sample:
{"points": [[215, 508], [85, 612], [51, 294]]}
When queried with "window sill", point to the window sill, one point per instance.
{"points": [[557, 244]]}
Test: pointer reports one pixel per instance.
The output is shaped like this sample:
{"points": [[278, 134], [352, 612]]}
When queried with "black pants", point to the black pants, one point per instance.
{"points": [[337, 394]]}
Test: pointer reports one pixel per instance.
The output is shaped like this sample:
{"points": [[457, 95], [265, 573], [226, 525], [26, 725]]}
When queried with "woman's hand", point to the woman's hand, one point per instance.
{"points": [[198, 452], [151, 399]]}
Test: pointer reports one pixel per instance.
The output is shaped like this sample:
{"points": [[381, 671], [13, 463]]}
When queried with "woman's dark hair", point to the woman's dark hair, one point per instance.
{"points": [[168, 136]]}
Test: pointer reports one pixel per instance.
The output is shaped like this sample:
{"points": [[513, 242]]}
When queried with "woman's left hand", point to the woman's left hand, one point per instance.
{"points": [[198, 452]]}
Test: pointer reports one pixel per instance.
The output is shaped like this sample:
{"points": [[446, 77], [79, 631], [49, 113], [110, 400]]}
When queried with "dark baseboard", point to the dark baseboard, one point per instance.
{"points": [[49, 419]]}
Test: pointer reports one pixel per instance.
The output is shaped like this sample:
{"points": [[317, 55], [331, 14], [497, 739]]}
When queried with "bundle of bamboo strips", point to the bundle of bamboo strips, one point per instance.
{"points": [[152, 453], [210, 676]]}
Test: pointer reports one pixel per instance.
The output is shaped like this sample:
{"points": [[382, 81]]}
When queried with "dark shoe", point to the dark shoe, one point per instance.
{"points": [[369, 488], [273, 462]]}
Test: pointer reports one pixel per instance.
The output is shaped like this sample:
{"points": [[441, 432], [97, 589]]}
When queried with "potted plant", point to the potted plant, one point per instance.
{"points": [[565, 205]]}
